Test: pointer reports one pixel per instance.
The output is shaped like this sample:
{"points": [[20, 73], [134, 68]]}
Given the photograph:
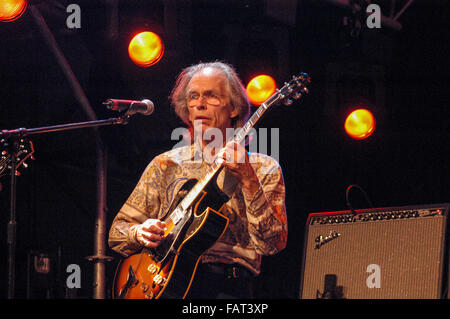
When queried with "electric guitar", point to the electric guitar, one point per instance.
{"points": [[194, 224], [24, 150]]}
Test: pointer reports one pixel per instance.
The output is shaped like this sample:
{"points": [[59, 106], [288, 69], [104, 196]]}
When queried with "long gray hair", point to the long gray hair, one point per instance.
{"points": [[236, 91]]}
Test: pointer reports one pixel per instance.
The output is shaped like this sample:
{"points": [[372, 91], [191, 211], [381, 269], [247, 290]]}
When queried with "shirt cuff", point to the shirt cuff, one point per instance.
{"points": [[132, 234]]}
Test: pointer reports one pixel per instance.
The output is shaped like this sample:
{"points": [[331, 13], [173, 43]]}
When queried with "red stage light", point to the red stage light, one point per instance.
{"points": [[360, 124], [146, 49], [260, 88], [11, 10]]}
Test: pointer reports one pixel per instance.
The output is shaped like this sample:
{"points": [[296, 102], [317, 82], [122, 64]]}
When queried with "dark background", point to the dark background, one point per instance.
{"points": [[402, 76]]}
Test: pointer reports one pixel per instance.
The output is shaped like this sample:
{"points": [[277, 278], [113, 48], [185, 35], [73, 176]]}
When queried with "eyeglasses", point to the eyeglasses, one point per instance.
{"points": [[194, 99]]}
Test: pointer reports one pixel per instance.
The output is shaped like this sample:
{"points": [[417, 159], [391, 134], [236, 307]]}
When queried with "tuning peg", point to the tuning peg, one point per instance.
{"points": [[289, 88], [297, 95], [287, 102]]}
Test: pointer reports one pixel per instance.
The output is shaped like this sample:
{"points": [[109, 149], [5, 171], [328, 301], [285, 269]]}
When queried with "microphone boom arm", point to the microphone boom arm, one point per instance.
{"points": [[21, 132]]}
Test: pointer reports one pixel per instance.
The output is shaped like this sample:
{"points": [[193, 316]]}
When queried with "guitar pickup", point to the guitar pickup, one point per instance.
{"points": [[152, 269], [159, 280]]}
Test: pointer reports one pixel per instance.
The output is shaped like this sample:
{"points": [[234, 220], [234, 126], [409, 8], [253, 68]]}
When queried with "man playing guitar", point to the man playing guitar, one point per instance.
{"points": [[210, 99]]}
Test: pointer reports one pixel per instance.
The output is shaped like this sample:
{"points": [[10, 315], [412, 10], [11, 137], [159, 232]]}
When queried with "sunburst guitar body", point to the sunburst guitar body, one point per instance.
{"points": [[169, 270]]}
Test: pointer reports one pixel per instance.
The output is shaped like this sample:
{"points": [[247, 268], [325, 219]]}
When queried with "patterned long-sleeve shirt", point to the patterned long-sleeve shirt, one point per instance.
{"points": [[257, 222]]}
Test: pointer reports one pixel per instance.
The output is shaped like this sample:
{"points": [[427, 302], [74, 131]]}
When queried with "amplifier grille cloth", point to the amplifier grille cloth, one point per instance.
{"points": [[409, 254]]}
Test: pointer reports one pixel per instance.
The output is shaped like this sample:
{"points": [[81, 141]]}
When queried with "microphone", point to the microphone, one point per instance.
{"points": [[144, 107]]}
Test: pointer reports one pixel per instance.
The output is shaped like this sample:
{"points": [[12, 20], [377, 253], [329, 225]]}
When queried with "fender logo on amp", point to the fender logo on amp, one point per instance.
{"points": [[321, 240]]}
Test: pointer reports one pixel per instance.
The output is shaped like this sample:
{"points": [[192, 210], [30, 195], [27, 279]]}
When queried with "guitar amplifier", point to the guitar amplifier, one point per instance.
{"points": [[382, 253]]}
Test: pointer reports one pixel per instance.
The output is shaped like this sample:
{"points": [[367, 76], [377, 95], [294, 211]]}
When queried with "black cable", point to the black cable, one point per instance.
{"points": [[348, 201]]}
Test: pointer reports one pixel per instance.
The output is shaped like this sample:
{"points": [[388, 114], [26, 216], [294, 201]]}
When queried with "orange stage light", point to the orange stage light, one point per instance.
{"points": [[146, 49], [11, 10], [260, 88], [360, 124]]}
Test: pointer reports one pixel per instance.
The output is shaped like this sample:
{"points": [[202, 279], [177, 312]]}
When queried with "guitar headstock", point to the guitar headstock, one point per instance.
{"points": [[295, 89], [23, 149]]}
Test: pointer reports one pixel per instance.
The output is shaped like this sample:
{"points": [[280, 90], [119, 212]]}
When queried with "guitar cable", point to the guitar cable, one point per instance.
{"points": [[349, 205]]}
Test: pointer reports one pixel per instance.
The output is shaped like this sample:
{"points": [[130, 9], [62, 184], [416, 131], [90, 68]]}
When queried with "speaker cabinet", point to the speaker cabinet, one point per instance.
{"points": [[382, 253]]}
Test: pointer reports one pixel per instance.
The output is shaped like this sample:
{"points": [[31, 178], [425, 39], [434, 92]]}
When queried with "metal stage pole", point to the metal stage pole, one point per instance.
{"points": [[99, 258]]}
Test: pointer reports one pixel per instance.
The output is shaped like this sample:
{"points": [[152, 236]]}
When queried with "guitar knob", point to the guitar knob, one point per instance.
{"points": [[149, 295], [145, 287]]}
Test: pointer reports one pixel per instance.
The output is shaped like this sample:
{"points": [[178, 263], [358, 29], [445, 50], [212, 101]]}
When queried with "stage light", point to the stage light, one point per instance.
{"points": [[146, 49], [260, 88], [11, 10], [360, 124]]}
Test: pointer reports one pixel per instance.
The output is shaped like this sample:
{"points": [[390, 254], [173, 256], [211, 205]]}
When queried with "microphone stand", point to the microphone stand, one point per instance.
{"points": [[10, 140]]}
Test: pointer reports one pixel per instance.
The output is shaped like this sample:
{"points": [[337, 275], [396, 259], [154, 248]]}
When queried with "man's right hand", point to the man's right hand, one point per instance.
{"points": [[150, 233]]}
